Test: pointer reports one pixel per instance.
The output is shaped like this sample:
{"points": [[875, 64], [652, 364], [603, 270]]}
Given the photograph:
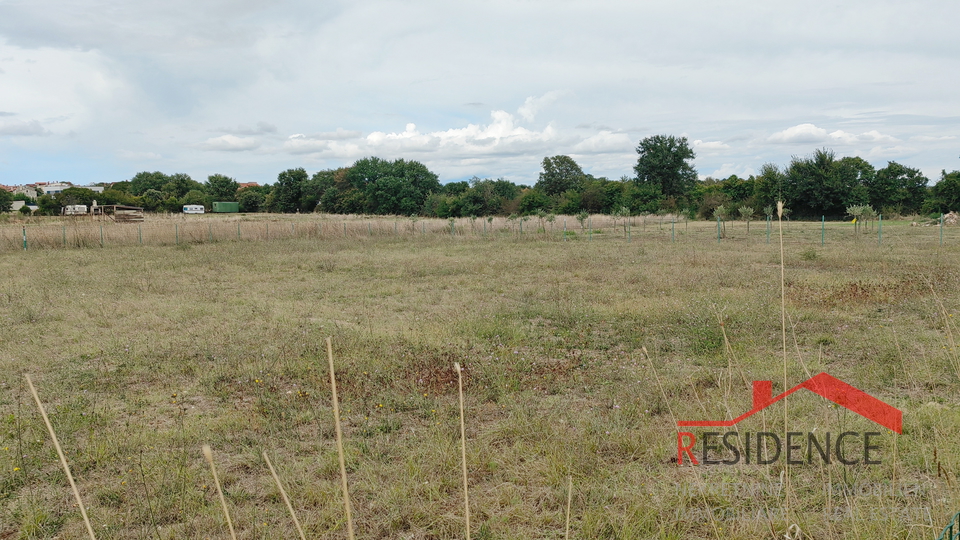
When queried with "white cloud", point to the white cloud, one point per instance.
{"points": [[606, 142], [890, 151], [160, 77], [229, 143], [811, 134], [709, 146], [501, 137], [22, 129], [533, 104], [800, 134]]}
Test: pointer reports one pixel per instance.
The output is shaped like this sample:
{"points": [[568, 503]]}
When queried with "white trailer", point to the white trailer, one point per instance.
{"points": [[193, 209]]}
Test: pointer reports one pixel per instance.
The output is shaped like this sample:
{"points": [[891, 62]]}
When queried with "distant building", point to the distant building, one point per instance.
{"points": [[52, 188], [17, 205], [29, 190], [247, 184]]}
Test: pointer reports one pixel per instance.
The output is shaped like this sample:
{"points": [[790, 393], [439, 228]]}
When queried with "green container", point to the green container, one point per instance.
{"points": [[226, 207]]}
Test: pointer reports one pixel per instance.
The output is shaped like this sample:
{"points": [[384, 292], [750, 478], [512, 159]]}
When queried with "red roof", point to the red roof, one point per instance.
{"points": [[247, 184], [823, 385]]}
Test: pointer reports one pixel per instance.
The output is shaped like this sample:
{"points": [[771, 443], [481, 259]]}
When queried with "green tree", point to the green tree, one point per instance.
{"points": [[822, 185], [560, 173], [251, 200], [312, 191], [664, 162], [897, 189], [221, 187], [403, 196], [152, 199], [768, 185], [179, 184], [288, 189], [6, 200], [48, 205], [195, 196], [143, 181], [532, 200], [114, 196], [75, 195], [946, 193]]}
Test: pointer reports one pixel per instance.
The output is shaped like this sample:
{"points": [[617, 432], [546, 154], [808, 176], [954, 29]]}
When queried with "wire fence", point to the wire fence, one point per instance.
{"points": [[160, 230]]}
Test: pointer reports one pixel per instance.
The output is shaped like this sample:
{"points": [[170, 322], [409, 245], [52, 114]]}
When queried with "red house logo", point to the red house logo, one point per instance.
{"points": [[822, 384]]}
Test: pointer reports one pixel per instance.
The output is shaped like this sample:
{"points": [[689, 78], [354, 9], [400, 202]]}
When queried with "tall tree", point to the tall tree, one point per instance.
{"points": [[946, 192], [287, 190], [179, 184], [143, 181], [222, 188], [6, 200], [823, 185], [665, 163], [897, 188], [560, 173]]}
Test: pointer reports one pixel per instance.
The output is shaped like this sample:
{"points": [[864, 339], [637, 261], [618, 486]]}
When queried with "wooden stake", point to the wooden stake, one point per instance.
{"points": [[63, 459], [283, 493], [569, 501], [208, 453], [343, 464], [463, 452]]}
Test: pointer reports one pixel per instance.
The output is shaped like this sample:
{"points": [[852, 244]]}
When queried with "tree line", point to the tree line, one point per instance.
{"points": [[663, 180]]}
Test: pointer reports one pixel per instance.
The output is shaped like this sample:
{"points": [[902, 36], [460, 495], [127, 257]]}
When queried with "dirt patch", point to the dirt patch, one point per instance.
{"points": [[853, 292]]}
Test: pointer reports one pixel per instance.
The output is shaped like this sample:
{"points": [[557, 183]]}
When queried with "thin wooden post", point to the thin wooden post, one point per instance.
{"points": [[343, 465], [63, 459], [463, 452]]}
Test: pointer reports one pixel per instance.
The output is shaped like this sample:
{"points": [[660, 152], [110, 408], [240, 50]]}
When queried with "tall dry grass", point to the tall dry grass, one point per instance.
{"points": [[144, 353]]}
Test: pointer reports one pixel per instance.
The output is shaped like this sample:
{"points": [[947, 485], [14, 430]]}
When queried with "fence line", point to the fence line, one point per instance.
{"points": [[636, 230]]}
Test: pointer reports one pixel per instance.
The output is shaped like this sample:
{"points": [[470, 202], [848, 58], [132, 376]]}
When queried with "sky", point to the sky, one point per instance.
{"points": [[98, 90]]}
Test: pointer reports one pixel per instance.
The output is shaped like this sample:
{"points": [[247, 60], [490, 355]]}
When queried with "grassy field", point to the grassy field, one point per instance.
{"points": [[142, 354]]}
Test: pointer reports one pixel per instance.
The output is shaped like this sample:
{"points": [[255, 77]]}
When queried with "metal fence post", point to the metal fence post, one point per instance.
{"points": [[879, 229], [822, 224], [24, 237], [176, 229]]}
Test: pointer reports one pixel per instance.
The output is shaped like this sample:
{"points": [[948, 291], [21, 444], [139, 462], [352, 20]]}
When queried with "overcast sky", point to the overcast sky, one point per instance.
{"points": [[97, 90]]}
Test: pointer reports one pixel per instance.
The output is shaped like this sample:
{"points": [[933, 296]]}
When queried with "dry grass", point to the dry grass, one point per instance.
{"points": [[143, 354]]}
